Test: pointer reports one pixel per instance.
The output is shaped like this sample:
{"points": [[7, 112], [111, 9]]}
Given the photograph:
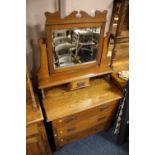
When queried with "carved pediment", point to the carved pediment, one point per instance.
{"points": [[75, 17]]}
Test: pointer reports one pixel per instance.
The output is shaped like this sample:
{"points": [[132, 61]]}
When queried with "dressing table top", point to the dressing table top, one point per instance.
{"points": [[60, 102]]}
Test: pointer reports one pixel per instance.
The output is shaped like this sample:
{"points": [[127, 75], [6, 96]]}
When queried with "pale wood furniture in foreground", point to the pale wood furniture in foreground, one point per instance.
{"points": [[36, 138]]}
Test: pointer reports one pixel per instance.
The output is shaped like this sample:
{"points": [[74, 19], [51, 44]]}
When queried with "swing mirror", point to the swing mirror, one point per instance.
{"points": [[74, 43], [74, 46]]}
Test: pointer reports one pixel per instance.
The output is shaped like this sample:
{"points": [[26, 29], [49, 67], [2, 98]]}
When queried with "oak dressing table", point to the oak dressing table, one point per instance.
{"points": [[78, 99]]}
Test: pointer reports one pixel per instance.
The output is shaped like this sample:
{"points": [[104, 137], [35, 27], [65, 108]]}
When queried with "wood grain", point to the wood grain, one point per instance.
{"points": [[96, 111], [36, 140], [54, 18], [60, 103], [79, 84], [58, 79], [30, 97], [85, 133], [33, 116], [44, 70]]}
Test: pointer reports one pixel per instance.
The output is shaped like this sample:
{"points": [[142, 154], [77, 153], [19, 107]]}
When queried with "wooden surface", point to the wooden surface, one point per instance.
{"points": [[44, 70], [79, 84], [81, 124], [84, 120], [60, 103], [54, 18], [121, 63], [36, 140], [122, 13], [75, 118], [30, 97], [122, 57], [120, 83], [58, 79], [31, 115], [83, 134]]}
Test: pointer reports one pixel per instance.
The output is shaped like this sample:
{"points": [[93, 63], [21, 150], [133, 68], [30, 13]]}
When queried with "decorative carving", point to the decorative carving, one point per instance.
{"points": [[54, 18]]}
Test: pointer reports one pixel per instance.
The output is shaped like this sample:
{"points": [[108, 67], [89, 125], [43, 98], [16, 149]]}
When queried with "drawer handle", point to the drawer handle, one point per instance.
{"points": [[71, 129], [80, 84], [104, 108], [71, 119], [101, 118]]}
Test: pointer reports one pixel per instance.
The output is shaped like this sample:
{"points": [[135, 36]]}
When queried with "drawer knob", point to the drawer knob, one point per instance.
{"points": [[60, 121], [70, 119], [70, 129], [80, 84]]}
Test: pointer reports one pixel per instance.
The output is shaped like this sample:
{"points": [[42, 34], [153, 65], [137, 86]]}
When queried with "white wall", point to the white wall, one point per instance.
{"points": [[35, 20], [89, 6]]}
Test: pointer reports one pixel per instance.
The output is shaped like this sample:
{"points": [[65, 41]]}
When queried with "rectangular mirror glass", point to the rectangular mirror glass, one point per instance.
{"points": [[74, 46]]}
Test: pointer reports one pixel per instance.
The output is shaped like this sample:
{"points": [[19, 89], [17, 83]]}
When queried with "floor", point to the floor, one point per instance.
{"points": [[103, 143]]}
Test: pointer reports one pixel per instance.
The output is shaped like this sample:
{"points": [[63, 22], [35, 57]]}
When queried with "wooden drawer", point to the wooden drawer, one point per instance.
{"points": [[85, 133], [36, 140], [32, 130], [33, 139], [83, 124], [79, 84], [73, 119]]}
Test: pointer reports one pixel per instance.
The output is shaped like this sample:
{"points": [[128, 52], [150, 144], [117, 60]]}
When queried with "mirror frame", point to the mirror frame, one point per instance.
{"points": [[55, 22]]}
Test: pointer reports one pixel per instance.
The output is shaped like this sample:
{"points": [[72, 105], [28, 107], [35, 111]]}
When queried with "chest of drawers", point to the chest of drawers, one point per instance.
{"points": [[36, 138], [79, 113]]}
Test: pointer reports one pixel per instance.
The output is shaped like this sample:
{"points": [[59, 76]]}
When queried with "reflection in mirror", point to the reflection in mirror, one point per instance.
{"points": [[75, 46]]}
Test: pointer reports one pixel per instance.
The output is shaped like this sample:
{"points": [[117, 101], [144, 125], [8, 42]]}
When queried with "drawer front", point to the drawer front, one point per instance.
{"points": [[85, 133], [83, 124], [73, 119], [78, 84], [32, 130]]}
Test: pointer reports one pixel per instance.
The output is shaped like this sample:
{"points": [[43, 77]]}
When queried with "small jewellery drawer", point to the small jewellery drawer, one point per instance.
{"points": [[83, 124], [84, 133], [78, 84], [73, 119]]}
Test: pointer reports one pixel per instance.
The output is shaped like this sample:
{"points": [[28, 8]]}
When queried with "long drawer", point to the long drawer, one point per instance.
{"points": [[32, 130], [82, 134], [83, 124], [73, 119]]}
